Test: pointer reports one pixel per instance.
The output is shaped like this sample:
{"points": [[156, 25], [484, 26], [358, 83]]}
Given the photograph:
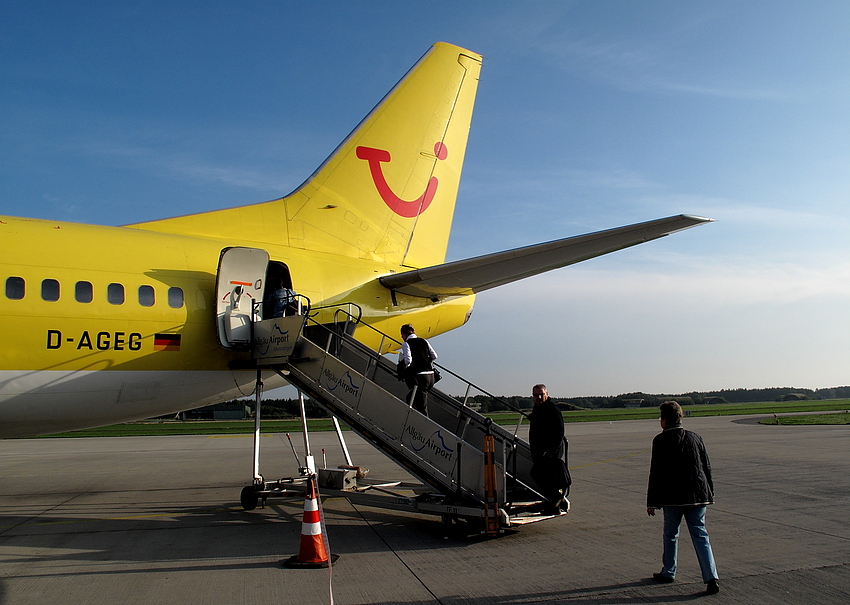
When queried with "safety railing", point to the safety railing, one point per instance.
{"points": [[297, 304], [469, 386], [452, 413]]}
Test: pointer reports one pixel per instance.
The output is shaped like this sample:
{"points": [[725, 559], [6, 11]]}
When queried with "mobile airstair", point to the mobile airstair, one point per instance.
{"points": [[471, 468]]}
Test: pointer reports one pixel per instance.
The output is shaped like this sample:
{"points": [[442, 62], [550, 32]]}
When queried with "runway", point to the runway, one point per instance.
{"points": [[157, 520]]}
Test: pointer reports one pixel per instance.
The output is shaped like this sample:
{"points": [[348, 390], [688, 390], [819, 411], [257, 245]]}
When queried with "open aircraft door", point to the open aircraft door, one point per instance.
{"points": [[239, 285]]}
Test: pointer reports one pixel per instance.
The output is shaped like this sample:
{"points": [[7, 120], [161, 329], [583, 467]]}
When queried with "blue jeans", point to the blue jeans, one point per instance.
{"points": [[695, 519]]}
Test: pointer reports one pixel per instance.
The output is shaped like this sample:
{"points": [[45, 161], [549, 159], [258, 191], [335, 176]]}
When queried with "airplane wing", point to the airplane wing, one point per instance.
{"points": [[481, 273]]}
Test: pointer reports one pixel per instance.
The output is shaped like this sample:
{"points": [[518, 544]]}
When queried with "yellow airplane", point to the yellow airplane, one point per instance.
{"points": [[108, 324]]}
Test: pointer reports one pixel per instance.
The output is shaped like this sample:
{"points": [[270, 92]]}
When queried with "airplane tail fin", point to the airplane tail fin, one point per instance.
{"points": [[388, 191], [394, 181]]}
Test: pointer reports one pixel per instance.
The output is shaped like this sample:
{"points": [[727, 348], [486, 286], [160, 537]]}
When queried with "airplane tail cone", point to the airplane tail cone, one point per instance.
{"points": [[312, 552]]}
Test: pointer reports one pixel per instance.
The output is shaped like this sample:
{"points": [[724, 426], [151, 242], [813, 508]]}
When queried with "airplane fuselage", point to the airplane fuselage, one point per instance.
{"points": [[107, 324]]}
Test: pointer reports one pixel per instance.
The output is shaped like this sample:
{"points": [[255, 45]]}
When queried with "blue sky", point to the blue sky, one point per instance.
{"points": [[590, 115]]}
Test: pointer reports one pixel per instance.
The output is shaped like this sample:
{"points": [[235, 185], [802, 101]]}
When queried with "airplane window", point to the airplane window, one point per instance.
{"points": [[146, 296], [50, 290], [83, 292], [15, 288], [175, 298], [115, 294]]}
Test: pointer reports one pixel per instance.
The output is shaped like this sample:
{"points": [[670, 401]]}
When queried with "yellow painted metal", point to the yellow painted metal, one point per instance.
{"points": [[422, 127], [133, 258], [382, 203]]}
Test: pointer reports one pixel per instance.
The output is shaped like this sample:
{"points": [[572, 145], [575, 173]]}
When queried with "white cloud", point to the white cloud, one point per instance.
{"points": [[769, 216], [718, 281], [169, 161], [591, 332], [661, 64]]}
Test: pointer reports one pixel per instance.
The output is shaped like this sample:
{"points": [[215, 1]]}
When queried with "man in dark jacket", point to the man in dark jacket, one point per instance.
{"points": [[546, 438], [680, 483]]}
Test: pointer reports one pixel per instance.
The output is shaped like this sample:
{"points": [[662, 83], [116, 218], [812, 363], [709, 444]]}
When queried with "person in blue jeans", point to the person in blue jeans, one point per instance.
{"points": [[680, 483]]}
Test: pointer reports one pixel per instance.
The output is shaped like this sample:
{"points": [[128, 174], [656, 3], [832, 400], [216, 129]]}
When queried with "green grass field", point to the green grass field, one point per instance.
{"points": [[726, 409], [237, 427], [836, 418]]}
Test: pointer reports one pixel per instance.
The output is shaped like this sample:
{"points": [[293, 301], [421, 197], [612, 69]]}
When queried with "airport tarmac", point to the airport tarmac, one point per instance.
{"points": [[157, 520]]}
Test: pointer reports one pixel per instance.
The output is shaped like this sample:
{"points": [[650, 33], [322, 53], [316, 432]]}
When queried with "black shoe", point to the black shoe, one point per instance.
{"points": [[662, 579], [711, 587]]}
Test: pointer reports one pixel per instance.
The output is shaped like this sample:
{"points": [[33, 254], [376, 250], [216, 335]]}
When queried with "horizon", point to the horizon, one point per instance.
{"points": [[790, 390]]}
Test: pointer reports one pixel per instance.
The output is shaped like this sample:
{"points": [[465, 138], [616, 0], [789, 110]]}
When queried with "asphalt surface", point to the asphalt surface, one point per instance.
{"points": [[157, 520]]}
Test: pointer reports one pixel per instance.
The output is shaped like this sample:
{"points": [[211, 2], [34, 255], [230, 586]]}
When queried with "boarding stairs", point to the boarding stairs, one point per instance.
{"points": [[470, 466]]}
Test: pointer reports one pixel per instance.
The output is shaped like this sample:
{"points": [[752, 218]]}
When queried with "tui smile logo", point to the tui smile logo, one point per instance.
{"points": [[407, 209]]}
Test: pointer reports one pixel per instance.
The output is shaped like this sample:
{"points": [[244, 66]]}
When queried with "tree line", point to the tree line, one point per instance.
{"points": [[639, 399], [288, 408]]}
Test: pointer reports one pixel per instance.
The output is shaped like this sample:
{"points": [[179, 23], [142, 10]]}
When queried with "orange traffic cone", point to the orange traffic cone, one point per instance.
{"points": [[312, 552]]}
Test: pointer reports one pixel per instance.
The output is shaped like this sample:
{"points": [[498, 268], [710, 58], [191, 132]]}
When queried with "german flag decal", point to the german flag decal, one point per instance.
{"points": [[166, 342]]}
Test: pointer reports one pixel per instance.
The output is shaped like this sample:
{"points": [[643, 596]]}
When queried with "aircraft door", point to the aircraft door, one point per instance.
{"points": [[239, 285]]}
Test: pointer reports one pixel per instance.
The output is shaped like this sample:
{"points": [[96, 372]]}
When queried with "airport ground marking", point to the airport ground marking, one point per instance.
{"points": [[610, 459]]}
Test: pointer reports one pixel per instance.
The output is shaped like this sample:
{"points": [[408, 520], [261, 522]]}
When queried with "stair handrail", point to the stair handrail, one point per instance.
{"points": [[511, 440], [339, 308], [302, 308], [384, 337]]}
